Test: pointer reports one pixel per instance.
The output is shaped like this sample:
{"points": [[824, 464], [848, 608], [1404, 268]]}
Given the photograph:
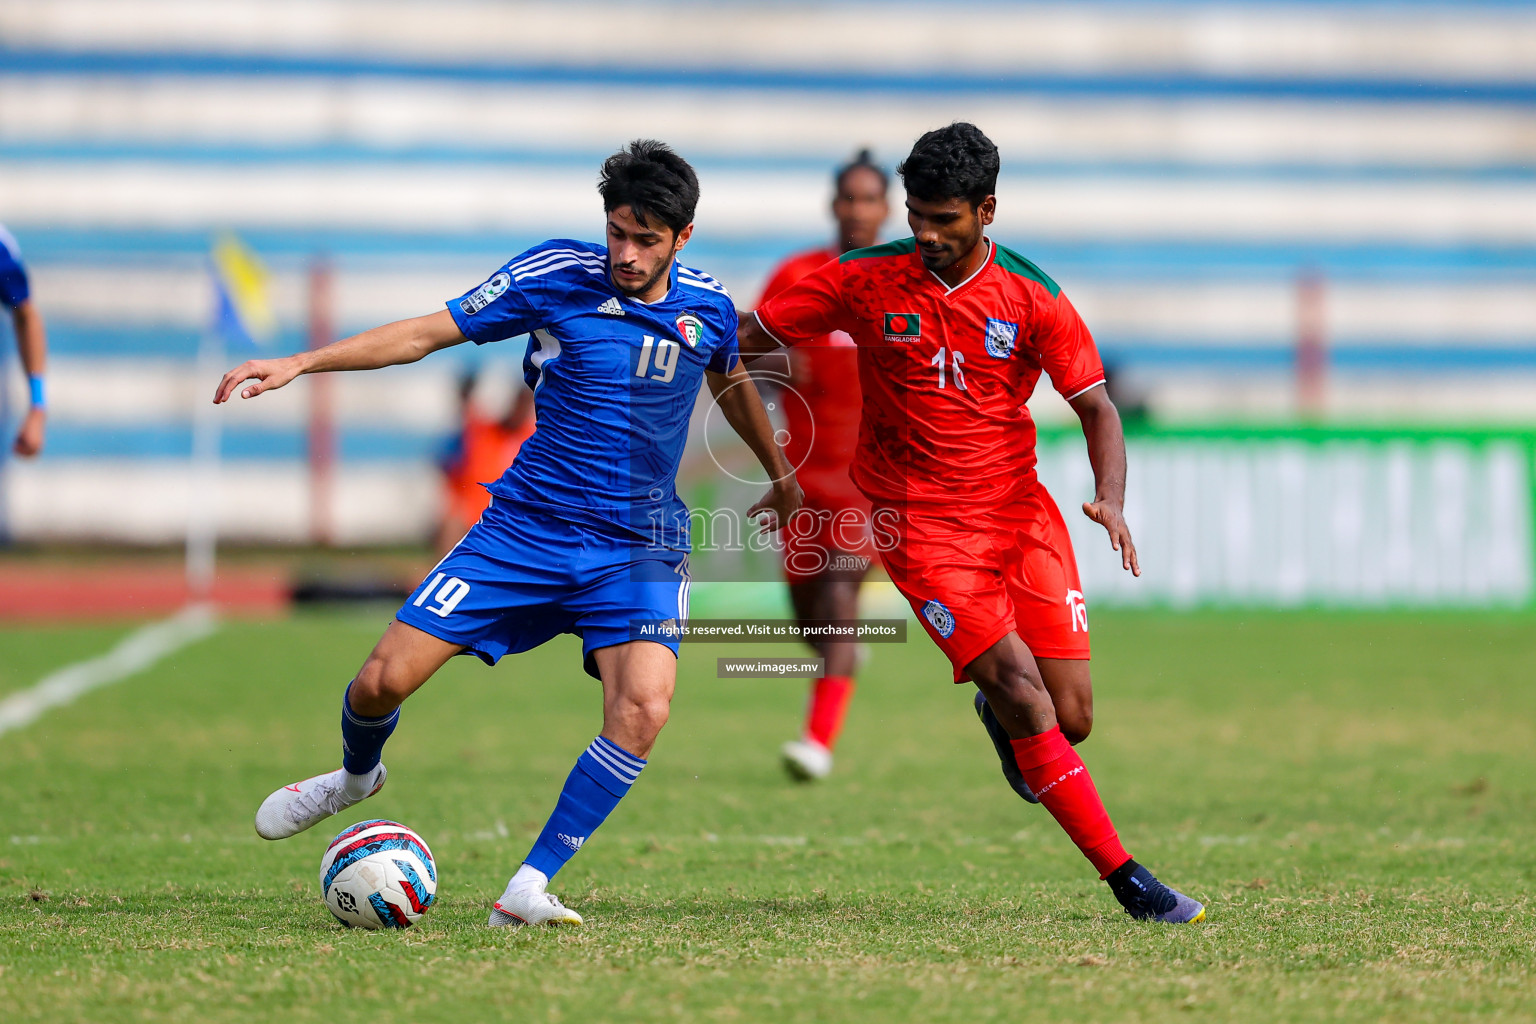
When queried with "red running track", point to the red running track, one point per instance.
{"points": [[39, 591]]}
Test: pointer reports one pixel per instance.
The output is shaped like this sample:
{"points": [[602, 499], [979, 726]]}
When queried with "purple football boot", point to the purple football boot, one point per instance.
{"points": [[1147, 899]]}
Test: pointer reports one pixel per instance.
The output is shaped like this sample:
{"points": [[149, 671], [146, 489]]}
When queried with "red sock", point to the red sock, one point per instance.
{"points": [[1058, 776], [829, 702]]}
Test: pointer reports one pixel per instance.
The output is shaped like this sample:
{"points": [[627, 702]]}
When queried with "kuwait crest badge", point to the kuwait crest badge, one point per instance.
{"points": [[691, 329], [903, 327]]}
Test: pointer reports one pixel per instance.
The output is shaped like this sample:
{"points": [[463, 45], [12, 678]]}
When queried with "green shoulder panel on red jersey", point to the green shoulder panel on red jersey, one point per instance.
{"points": [[902, 247], [1016, 264]]}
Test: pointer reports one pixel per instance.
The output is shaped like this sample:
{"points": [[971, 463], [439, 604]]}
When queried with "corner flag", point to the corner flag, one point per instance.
{"points": [[243, 304]]}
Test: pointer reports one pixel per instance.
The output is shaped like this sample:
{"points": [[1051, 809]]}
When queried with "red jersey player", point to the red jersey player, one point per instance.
{"points": [[953, 332], [827, 548]]}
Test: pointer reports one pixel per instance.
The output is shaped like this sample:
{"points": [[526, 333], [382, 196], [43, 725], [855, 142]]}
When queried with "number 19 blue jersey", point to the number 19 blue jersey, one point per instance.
{"points": [[615, 381]]}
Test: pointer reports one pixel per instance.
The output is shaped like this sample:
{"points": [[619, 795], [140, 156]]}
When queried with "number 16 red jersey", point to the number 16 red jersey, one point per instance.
{"points": [[945, 371]]}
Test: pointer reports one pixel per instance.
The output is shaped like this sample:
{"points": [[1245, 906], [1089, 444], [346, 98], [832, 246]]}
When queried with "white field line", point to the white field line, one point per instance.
{"points": [[137, 652]]}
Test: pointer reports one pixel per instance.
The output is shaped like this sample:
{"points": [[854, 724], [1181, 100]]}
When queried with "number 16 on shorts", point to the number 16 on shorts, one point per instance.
{"points": [[445, 592]]}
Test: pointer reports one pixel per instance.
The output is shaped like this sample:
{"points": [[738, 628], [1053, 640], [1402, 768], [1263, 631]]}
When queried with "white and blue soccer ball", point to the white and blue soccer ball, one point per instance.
{"points": [[378, 874]]}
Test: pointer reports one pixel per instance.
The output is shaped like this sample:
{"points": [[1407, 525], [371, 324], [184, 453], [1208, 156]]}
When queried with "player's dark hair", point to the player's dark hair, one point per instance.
{"points": [[653, 181], [863, 158], [954, 162]]}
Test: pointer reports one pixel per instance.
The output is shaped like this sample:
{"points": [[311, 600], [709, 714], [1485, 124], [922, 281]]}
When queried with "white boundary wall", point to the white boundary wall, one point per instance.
{"points": [[1264, 521], [1286, 522]]}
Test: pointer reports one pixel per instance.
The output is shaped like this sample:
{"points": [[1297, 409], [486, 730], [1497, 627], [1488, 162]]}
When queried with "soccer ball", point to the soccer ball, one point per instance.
{"points": [[378, 874]]}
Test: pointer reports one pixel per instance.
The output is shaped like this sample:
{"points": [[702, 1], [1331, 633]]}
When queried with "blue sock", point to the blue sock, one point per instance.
{"points": [[603, 774], [362, 739]]}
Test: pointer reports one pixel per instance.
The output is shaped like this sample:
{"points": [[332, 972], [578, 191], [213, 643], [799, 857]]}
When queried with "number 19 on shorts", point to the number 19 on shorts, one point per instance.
{"points": [[445, 592]]}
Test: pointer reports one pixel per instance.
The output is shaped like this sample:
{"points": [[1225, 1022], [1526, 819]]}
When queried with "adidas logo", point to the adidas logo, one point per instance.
{"points": [[574, 842], [612, 308]]}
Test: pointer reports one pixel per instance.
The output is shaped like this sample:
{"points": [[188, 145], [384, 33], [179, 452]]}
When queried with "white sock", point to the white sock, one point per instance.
{"points": [[359, 786], [528, 877]]}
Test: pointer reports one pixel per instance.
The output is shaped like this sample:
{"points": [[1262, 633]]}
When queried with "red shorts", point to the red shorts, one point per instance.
{"points": [[829, 534], [975, 579]]}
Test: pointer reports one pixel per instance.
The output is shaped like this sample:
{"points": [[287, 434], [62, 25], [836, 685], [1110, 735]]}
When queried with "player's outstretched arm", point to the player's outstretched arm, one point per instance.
{"points": [[403, 341], [752, 340], [738, 399], [1106, 451]]}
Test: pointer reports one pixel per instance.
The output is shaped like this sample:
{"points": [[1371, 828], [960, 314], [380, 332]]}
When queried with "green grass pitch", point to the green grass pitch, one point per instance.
{"points": [[1354, 796]]}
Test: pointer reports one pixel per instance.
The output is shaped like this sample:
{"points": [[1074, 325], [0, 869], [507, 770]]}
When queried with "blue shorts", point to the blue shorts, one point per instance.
{"points": [[519, 578]]}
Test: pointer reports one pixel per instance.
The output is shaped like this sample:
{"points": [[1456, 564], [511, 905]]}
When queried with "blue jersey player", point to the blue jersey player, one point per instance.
{"points": [[585, 533], [31, 340]]}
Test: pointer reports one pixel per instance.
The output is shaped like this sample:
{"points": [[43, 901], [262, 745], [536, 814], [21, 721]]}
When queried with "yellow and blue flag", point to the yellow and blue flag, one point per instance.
{"points": [[243, 300]]}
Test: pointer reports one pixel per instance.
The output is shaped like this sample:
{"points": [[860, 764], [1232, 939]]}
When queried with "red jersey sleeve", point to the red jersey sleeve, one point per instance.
{"points": [[810, 308], [786, 275], [1066, 349]]}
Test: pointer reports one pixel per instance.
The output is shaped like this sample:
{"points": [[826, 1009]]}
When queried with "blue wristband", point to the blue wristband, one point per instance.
{"points": [[35, 383]]}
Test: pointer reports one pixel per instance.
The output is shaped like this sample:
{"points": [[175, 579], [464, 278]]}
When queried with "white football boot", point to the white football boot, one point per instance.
{"points": [[807, 760], [296, 807], [530, 905]]}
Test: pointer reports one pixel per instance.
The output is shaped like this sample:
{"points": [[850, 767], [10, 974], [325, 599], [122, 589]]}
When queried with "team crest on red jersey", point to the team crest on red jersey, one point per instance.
{"points": [[691, 328], [1001, 337], [940, 617], [903, 327]]}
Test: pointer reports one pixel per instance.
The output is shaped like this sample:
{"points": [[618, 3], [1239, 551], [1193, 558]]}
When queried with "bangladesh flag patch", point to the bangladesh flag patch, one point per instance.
{"points": [[903, 327]]}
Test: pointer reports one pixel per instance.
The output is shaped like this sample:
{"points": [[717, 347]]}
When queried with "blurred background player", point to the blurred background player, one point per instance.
{"points": [[827, 549], [479, 454], [16, 295]]}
